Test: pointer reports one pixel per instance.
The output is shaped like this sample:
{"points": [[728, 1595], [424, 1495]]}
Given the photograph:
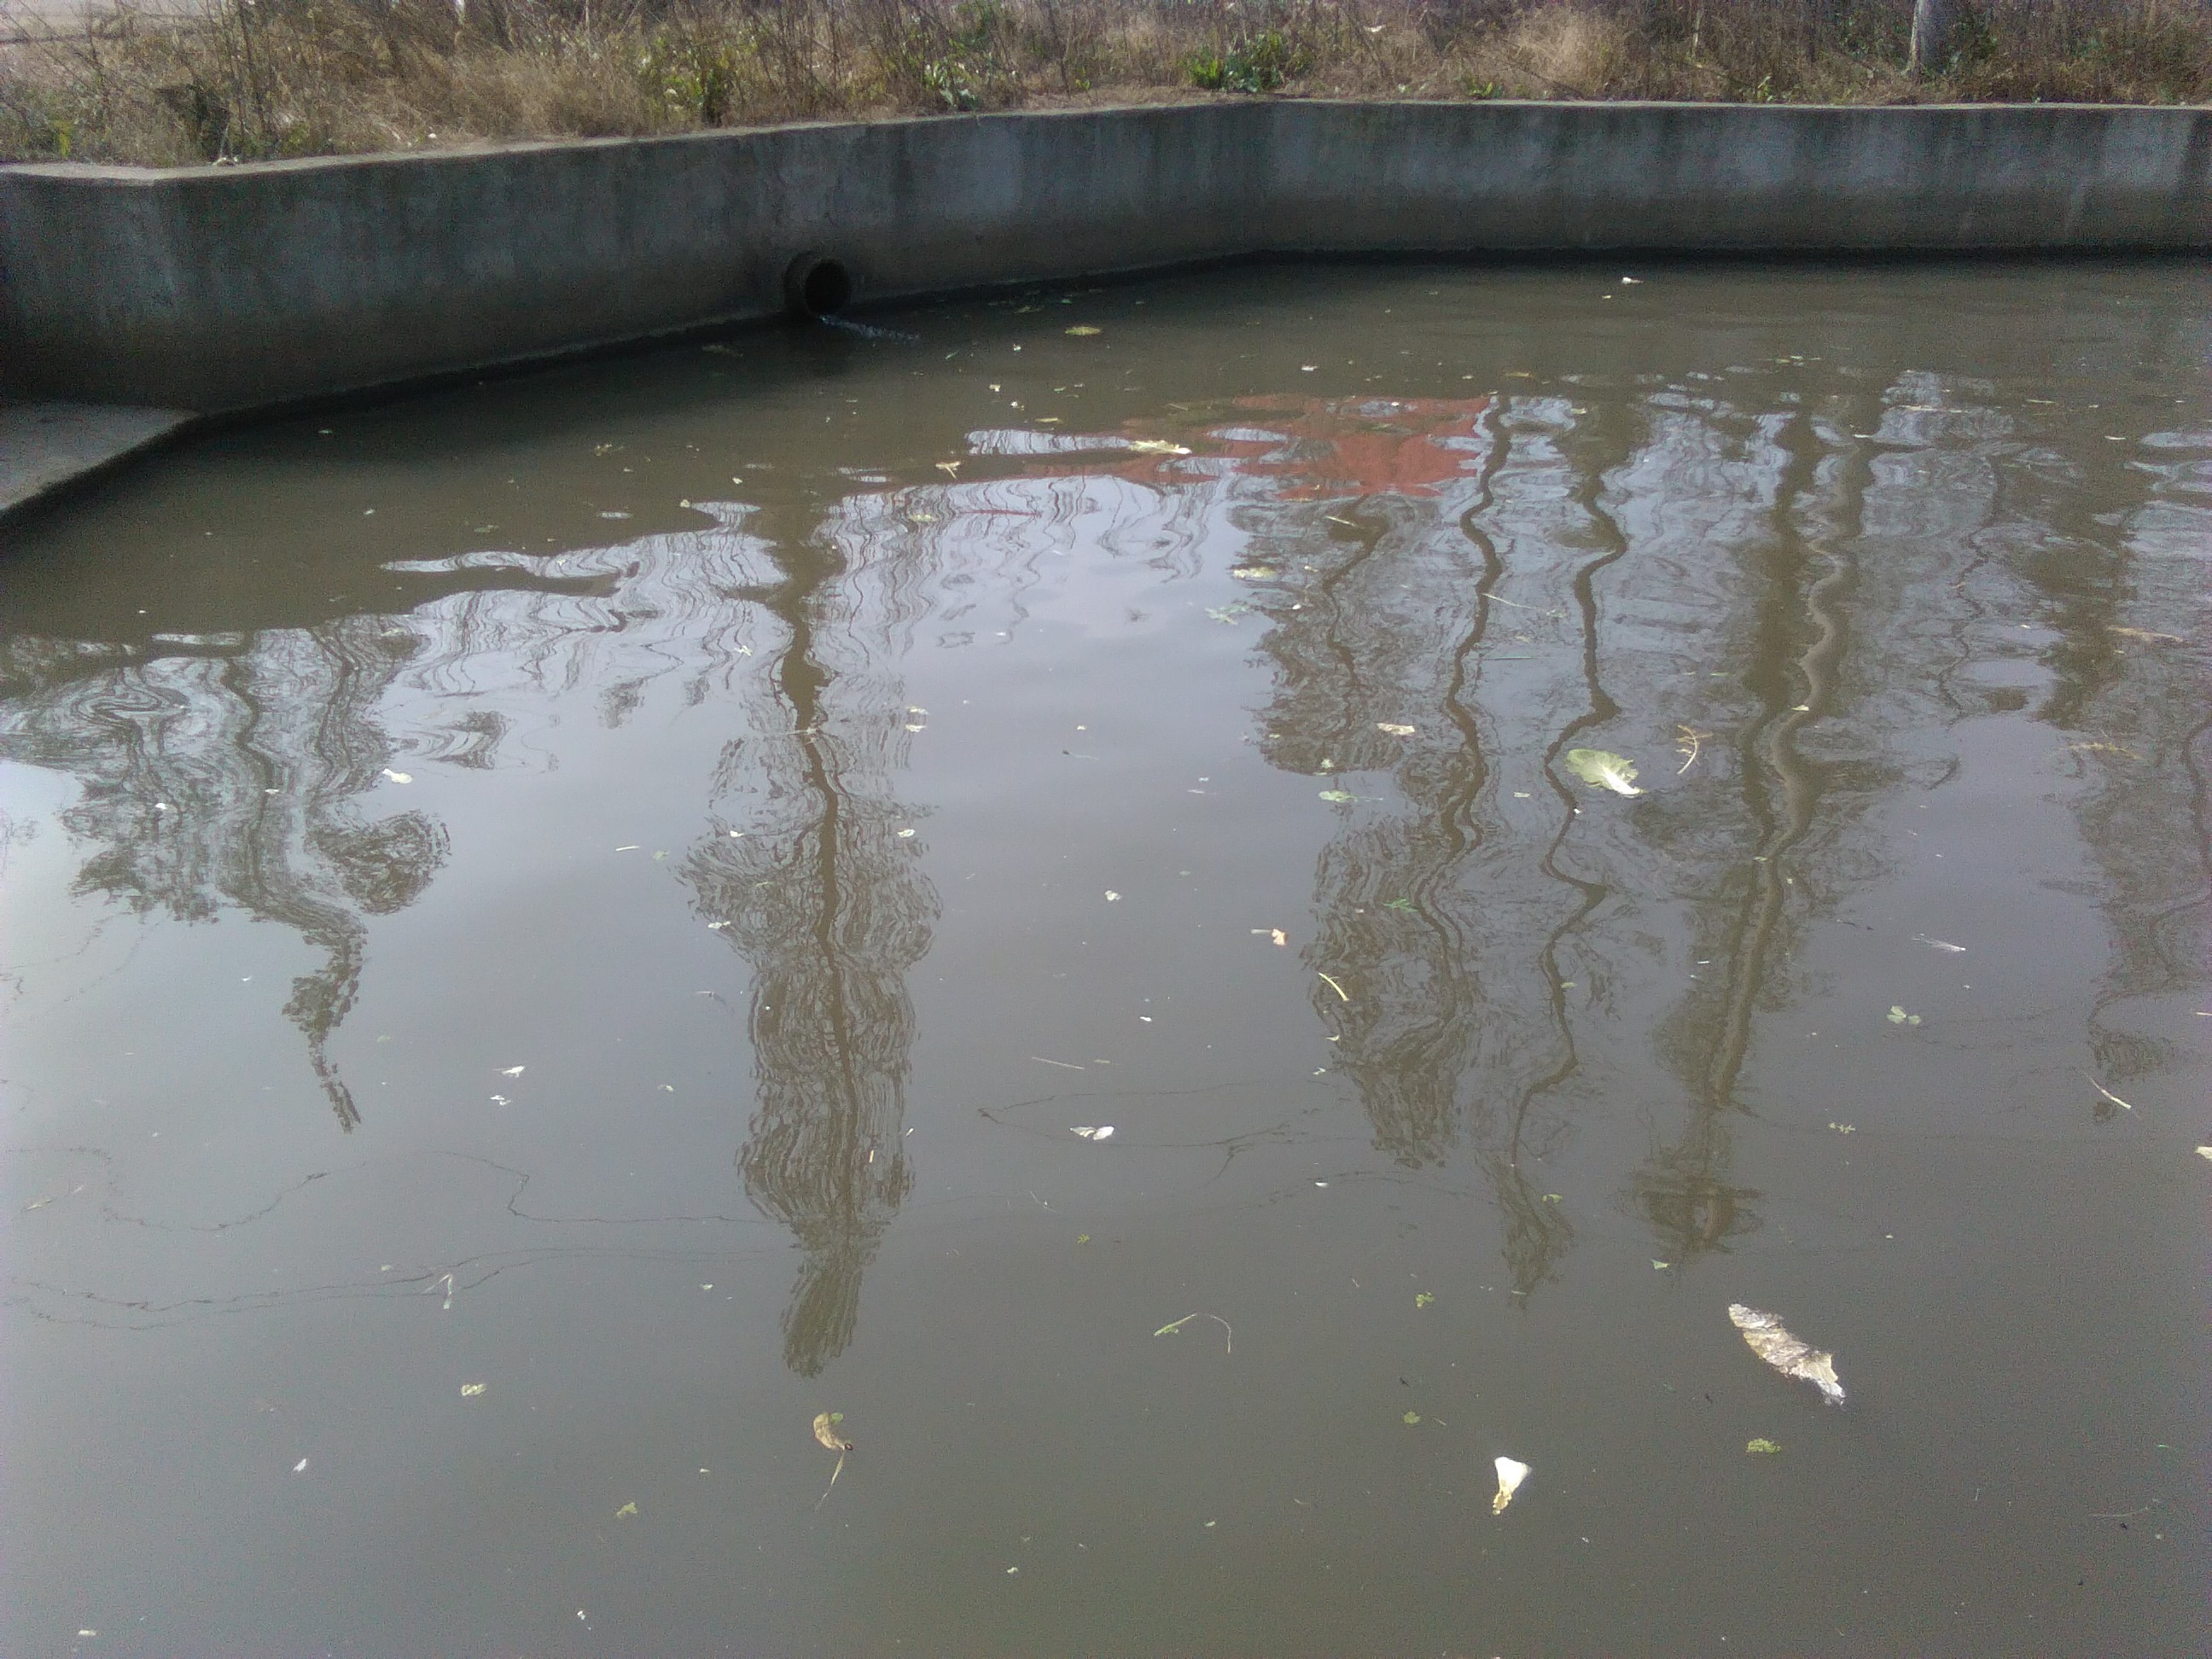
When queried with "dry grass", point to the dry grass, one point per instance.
{"points": [[248, 79]]}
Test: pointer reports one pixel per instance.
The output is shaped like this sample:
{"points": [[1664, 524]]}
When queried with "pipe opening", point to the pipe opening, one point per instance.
{"points": [[816, 286]]}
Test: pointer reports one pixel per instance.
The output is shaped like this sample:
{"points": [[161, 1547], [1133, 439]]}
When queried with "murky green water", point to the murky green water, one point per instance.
{"points": [[556, 931]]}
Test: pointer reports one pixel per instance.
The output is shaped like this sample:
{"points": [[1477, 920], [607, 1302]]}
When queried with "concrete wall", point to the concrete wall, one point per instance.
{"points": [[216, 289]]}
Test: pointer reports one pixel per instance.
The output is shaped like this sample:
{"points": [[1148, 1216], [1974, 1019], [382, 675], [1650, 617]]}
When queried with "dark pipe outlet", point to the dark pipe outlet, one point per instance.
{"points": [[817, 286]]}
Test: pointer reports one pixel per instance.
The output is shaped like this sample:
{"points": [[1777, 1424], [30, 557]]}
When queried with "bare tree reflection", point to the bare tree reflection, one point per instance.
{"points": [[1381, 613], [824, 897], [232, 776]]}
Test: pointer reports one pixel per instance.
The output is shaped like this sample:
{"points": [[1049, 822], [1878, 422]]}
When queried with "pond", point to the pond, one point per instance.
{"points": [[1185, 913]]}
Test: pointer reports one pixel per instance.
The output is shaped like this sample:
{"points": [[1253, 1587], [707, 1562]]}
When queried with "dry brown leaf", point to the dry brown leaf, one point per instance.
{"points": [[825, 1430], [1791, 1356]]}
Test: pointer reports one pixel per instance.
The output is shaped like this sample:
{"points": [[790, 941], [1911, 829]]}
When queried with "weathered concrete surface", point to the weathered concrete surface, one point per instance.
{"points": [[232, 287], [44, 447]]}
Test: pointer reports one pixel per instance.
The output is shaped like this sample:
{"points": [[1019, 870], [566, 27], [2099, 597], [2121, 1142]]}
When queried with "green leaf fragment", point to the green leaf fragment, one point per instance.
{"points": [[1763, 1447], [1412, 1418]]}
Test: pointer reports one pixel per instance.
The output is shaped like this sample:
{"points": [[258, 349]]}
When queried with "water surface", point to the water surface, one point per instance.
{"points": [[555, 931]]}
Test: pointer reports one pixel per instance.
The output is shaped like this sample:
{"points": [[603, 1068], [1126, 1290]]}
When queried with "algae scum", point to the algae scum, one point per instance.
{"points": [[1287, 962]]}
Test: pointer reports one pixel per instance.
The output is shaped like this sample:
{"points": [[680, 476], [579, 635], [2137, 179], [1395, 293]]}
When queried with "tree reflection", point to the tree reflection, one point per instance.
{"points": [[232, 775], [825, 898], [1380, 576]]}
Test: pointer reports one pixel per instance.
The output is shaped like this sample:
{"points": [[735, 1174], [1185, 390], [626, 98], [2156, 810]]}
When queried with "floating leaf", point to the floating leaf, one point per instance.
{"points": [[1084, 331], [1898, 1017], [1279, 936], [1412, 1418], [627, 1511], [514, 1071], [1340, 795], [1763, 1447], [398, 777], [1423, 1299], [1510, 1474], [1156, 447], [1604, 770], [825, 1430], [1254, 573], [1788, 1354], [1394, 731], [469, 1390]]}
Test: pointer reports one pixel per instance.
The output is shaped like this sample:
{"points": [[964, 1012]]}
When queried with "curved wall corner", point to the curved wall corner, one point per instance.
{"points": [[225, 288]]}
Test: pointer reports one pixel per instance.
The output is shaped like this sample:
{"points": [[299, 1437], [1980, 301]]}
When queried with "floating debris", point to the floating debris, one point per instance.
{"points": [[1767, 1338], [1603, 770], [1394, 729], [469, 1390], [1156, 446], [627, 1512], [1092, 1130], [1939, 944], [1688, 744], [2107, 1093], [1084, 331], [398, 777], [825, 1430], [1762, 1447], [1174, 1328], [1339, 795], [1898, 1017], [1511, 1474]]}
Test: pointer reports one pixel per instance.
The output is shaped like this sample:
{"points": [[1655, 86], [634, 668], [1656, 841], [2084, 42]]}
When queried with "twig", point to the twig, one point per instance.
{"points": [[2107, 1093], [1692, 737], [826, 1491], [1229, 1341], [2129, 1514], [1334, 987]]}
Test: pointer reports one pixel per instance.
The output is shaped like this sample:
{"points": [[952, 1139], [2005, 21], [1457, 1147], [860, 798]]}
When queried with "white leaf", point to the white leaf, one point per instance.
{"points": [[1788, 1354], [1510, 1474], [1604, 770]]}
